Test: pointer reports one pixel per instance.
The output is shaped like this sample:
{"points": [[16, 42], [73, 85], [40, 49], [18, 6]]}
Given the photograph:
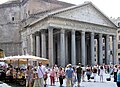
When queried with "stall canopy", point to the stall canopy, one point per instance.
{"points": [[24, 59]]}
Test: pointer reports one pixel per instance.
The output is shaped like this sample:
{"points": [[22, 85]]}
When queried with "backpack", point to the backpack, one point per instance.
{"points": [[79, 70]]}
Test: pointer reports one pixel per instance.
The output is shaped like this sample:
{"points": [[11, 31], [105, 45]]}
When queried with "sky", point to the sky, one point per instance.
{"points": [[2, 1], [109, 7]]}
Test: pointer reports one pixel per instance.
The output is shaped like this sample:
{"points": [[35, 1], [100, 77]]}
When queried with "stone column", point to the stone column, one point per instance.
{"points": [[58, 49], [50, 46], [83, 48], [43, 43], [73, 48], [62, 47], [107, 49], [33, 48], [92, 48], [114, 49], [31, 44], [38, 44], [100, 49], [66, 48]]}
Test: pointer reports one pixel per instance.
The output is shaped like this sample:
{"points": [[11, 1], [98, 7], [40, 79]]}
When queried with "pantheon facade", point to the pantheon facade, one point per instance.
{"points": [[68, 36]]}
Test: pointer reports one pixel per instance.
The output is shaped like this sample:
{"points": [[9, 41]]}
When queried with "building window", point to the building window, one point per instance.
{"points": [[119, 54], [103, 48], [119, 37], [118, 46], [94, 48], [13, 18], [103, 40], [119, 31], [103, 54], [119, 60], [28, 12]]}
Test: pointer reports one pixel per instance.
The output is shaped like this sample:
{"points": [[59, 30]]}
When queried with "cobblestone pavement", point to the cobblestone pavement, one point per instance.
{"points": [[84, 84], [90, 84]]}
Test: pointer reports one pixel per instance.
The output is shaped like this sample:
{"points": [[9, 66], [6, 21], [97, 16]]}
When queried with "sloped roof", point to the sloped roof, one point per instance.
{"points": [[70, 8], [45, 7]]}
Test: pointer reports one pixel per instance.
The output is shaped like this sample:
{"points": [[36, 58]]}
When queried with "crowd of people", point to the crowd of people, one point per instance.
{"points": [[37, 76], [74, 74]]}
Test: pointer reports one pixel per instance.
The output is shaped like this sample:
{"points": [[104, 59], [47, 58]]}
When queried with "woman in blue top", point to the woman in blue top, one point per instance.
{"points": [[118, 78]]}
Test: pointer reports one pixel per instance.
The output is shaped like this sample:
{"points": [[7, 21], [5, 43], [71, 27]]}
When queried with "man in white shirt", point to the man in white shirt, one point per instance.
{"points": [[40, 74], [56, 70]]}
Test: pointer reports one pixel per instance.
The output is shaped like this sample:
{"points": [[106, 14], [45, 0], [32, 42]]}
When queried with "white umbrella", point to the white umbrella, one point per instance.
{"points": [[2, 59], [27, 58]]}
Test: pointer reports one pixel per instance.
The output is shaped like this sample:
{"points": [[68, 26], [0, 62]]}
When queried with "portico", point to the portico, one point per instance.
{"points": [[68, 36]]}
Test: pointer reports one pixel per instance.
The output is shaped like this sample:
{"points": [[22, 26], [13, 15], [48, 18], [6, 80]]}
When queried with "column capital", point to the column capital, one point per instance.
{"points": [[114, 36], [37, 33], [72, 31], [82, 32], [62, 31], [92, 33], [33, 35], [100, 34], [107, 35], [49, 27], [43, 31]]}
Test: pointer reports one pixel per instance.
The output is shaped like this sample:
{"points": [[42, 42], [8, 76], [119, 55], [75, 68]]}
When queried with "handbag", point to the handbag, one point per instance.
{"points": [[92, 77], [64, 77], [108, 79]]}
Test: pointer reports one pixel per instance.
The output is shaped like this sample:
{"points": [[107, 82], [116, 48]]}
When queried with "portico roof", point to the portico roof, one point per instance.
{"points": [[86, 12]]}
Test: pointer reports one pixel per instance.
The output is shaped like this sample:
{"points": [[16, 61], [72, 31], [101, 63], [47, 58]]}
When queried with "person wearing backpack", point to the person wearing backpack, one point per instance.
{"points": [[69, 74], [79, 72]]}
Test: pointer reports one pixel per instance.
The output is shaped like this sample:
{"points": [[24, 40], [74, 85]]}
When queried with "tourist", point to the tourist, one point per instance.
{"points": [[111, 70], [29, 76], [45, 77], [88, 72], [9, 74], [52, 76], [115, 73], [74, 77], [79, 72], [56, 70], [40, 74], [94, 73], [101, 73], [69, 73], [61, 75], [108, 69], [36, 80], [118, 78], [83, 73]]}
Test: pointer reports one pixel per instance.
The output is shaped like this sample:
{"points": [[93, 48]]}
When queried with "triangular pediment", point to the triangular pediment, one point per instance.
{"points": [[85, 13]]}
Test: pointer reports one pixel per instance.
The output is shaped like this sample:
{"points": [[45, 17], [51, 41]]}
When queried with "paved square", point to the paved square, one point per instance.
{"points": [[89, 84]]}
